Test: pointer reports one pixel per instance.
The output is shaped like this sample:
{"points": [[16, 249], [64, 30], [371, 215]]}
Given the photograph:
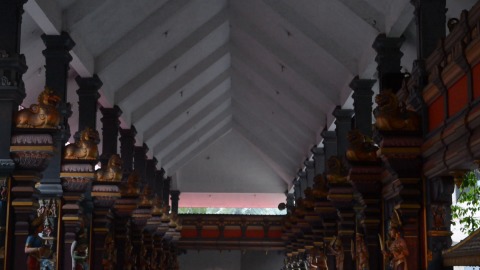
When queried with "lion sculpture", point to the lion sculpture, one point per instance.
{"points": [[361, 148], [41, 115], [336, 171], [131, 188], [112, 172], [85, 148], [390, 116]]}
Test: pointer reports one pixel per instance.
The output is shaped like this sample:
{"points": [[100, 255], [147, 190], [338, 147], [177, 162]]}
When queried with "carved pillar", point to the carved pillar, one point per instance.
{"points": [[151, 170], [12, 92], [439, 199], [329, 143], [310, 170], [343, 122], [158, 184], [110, 129], [87, 101], [127, 146], [166, 191], [139, 159], [297, 189], [175, 195], [302, 179], [57, 58], [362, 103], [319, 159], [388, 60]]}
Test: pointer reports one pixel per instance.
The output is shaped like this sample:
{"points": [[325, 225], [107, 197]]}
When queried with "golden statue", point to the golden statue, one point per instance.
{"points": [[336, 171], [157, 209], [397, 249], [361, 148], [320, 189], [361, 255], [109, 254], [146, 196], [131, 188], [112, 172], [86, 148], [391, 116], [41, 115], [336, 248]]}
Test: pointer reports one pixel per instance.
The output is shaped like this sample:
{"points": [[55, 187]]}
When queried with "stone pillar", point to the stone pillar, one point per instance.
{"points": [[57, 58], [12, 93], [319, 159], [151, 169], [343, 122], [362, 103], [166, 191], [388, 60], [139, 159], [127, 146], [175, 195], [310, 170], [87, 101], [302, 178], [439, 200], [297, 188], [329, 143], [111, 126], [158, 184]]}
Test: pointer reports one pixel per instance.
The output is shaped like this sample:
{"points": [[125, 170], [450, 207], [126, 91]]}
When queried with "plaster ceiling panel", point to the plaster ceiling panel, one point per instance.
{"points": [[182, 66], [156, 44], [200, 109], [298, 51], [108, 22], [349, 31], [233, 200], [216, 165], [297, 83]]}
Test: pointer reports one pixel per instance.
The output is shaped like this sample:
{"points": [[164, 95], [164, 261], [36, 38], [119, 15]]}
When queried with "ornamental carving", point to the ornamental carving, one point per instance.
{"points": [[41, 115], [31, 160], [112, 172], [85, 148], [361, 148], [336, 171], [391, 116], [131, 188]]}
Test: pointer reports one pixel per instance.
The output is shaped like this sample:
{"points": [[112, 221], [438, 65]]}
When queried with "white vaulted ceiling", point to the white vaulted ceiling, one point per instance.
{"points": [[229, 95]]}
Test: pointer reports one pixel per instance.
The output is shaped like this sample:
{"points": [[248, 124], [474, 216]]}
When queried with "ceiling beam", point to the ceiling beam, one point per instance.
{"points": [[80, 10], [170, 57], [280, 171], [217, 60], [166, 130], [398, 16], [271, 109], [278, 83], [314, 33], [307, 117], [181, 145], [266, 132], [156, 20], [221, 81], [266, 146], [281, 133], [193, 150], [324, 88]]}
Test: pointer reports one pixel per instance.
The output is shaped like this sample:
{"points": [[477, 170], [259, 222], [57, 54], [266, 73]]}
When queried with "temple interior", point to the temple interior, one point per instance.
{"points": [[239, 134]]}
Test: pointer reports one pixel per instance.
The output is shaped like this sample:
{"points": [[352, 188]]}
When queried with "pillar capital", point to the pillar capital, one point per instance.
{"points": [[342, 114], [89, 86], [57, 44], [362, 104], [343, 122], [389, 61]]}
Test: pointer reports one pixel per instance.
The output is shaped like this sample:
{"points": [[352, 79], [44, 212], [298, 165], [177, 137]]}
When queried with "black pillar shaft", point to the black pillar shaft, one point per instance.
{"points": [[87, 101], [430, 21], [111, 126], [302, 178], [159, 180], [140, 159], [166, 190], [127, 146], [11, 12], [330, 143], [175, 196], [151, 171], [297, 189], [343, 122], [57, 59], [310, 171], [319, 159], [388, 60], [362, 103]]}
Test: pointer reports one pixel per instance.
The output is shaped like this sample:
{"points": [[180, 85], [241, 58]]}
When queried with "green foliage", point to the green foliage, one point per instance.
{"points": [[468, 208]]}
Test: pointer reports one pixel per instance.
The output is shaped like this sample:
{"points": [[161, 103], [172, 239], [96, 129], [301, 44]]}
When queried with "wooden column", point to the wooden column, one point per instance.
{"points": [[388, 60], [110, 129], [140, 161], [127, 146]]}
